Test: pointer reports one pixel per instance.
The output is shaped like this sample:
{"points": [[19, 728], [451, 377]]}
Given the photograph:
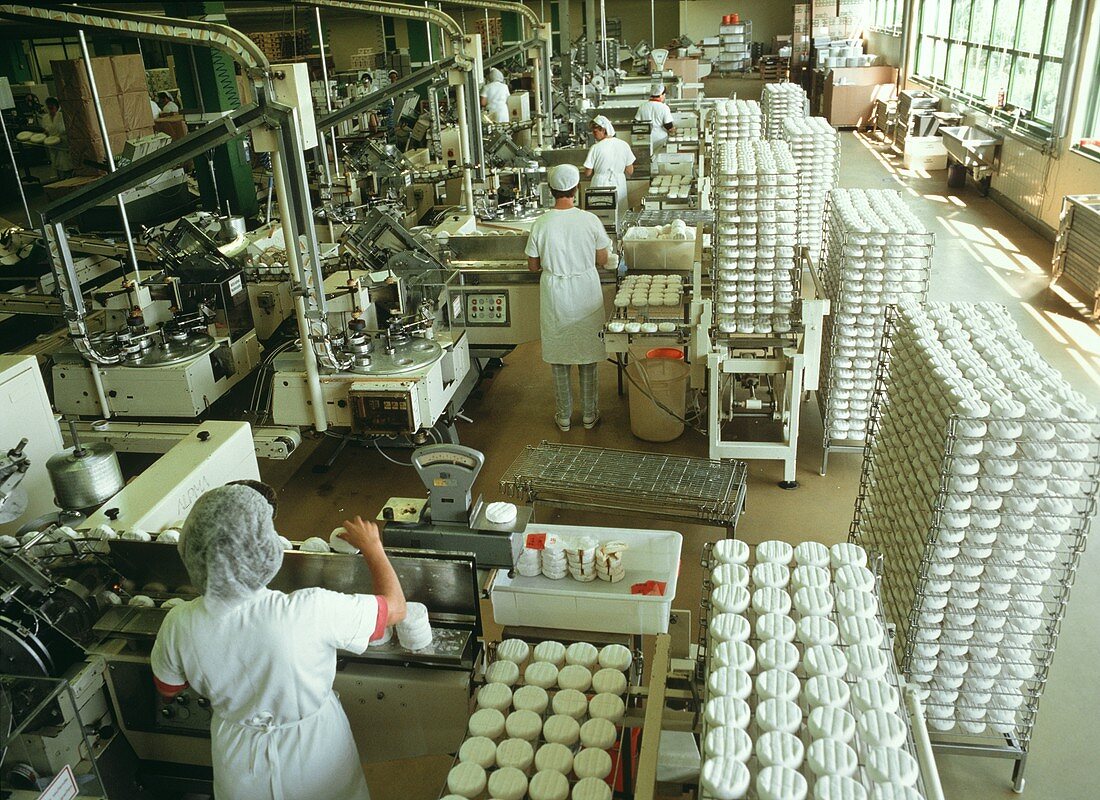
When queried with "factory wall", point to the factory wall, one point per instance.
{"points": [[886, 46], [700, 18]]}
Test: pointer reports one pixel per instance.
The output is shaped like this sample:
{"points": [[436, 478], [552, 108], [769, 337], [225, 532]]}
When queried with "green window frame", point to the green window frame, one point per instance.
{"points": [[885, 16], [1088, 139], [1004, 57]]}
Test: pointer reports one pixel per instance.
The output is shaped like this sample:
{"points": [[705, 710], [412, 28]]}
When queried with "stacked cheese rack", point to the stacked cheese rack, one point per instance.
{"points": [[734, 48], [876, 253], [1077, 248], [733, 120], [980, 479], [547, 724], [755, 276], [815, 145], [779, 102], [802, 693]]}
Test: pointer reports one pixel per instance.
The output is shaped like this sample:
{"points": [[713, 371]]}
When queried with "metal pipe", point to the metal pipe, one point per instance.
{"points": [[100, 393], [464, 150], [488, 38], [932, 787], [536, 67], [15, 171], [603, 34], [652, 25], [110, 156], [328, 90], [293, 260]]}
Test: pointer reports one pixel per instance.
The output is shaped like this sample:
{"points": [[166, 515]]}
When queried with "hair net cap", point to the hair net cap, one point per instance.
{"points": [[229, 544], [564, 177], [656, 89], [604, 123], [496, 75]]}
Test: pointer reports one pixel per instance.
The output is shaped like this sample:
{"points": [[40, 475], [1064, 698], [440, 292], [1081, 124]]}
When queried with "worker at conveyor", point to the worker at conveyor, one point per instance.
{"points": [[610, 160], [494, 96], [657, 114], [567, 244], [267, 660], [57, 144]]}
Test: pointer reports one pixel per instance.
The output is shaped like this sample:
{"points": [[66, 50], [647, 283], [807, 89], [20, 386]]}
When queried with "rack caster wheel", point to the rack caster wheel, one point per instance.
{"points": [[788, 485]]}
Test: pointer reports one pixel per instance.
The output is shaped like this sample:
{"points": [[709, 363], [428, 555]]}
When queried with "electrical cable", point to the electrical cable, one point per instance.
{"points": [[388, 458]]}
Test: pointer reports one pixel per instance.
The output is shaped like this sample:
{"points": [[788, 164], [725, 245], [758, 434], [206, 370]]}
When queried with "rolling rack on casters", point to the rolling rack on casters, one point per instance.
{"points": [[697, 490], [982, 509]]}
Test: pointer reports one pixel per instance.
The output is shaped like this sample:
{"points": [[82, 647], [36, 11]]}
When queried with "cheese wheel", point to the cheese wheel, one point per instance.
{"points": [[807, 577], [774, 654], [582, 653], [813, 602], [832, 757], [775, 626], [730, 681], [530, 698], [515, 650], [730, 599], [865, 663], [730, 575], [727, 711], [550, 652], [542, 674], [878, 694], [826, 690], [548, 785], [837, 787], [778, 715], [478, 750], [817, 630], [847, 553], [731, 551], [505, 672], [494, 695], [507, 783], [780, 783], [575, 676], [853, 576], [885, 791], [771, 574], [609, 681], [771, 600], [778, 683], [826, 660], [726, 740], [592, 762], [561, 729], [615, 656], [854, 603], [607, 706], [725, 778], [599, 733], [774, 551], [554, 756], [729, 628], [591, 789], [779, 749], [893, 766], [487, 722], [811, 554], [523, 725], [881, 728], [861, 630], [738, 655], [517, 753], [831, 722], [571, 703], [466, 780]]}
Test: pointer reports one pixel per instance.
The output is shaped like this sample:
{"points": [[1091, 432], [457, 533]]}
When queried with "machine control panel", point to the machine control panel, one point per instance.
{"points": [[487, 308], [185, 712], [383, 412]]}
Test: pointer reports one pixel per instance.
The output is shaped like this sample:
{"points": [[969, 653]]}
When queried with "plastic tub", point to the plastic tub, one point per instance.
{"points": [[656, 381], [671, 353]]}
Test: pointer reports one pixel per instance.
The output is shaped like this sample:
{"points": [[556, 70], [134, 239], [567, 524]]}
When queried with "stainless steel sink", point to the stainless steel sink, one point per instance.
{"points": [[972, 145]]}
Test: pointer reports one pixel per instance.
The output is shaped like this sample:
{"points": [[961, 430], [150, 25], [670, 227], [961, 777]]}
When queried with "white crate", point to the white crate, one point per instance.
{"points": [[664, 254], [599, 605]]}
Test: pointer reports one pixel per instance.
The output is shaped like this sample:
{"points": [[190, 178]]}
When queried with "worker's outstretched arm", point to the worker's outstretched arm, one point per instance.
{"points": [[365, 536]]}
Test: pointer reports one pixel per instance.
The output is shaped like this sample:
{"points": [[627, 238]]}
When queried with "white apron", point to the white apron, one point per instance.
{"points": [[608, 167], [571, 318], [257, 759], [496, 96]]}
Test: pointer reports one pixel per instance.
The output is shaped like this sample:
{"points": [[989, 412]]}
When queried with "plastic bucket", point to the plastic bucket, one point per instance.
{"points": [[672, 353], [652, 381]]}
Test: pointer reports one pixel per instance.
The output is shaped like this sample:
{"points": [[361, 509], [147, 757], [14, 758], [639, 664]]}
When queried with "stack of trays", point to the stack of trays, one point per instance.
{"points": [[650, 293], [803, 697], [815, 145], [876, 253], [755, 186], [780, 102], [671, 187], [979, 484], [734, 120]]}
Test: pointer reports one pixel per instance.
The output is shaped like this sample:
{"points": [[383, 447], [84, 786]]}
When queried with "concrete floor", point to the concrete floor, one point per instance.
{"points": [[982, 253]]}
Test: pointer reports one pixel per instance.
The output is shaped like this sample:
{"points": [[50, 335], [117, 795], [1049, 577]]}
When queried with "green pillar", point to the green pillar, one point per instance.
{"points": [[418, 50], [211, 75], [511, 26]]}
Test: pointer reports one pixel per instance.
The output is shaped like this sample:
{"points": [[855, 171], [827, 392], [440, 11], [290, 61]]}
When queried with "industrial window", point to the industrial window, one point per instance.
{"points": [[886, 15], [1089, 140], [1004, 56]]}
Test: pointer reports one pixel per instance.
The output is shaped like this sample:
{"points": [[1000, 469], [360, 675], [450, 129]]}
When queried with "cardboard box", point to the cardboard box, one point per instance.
{"points": [[171, 124], [136, 110], [58, 189], [129, 73], [925, 153], [850, 93], [83, 150], [71, 79], [81, 120]]}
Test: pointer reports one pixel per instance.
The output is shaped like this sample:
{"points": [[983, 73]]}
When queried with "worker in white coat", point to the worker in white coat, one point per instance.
{"points": [[566, 245], [266, 660], [494, 96], [57, 143], [657, 114], [167, 104], [610, 160]]}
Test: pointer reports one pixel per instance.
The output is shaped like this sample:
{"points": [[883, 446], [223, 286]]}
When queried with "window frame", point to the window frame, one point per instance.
{"points": [[1087, 141], [1026, 124], [886, 16]]}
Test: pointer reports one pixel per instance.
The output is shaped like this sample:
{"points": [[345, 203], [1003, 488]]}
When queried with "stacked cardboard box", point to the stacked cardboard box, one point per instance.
{"points": [[281, 45], [123, 96]]}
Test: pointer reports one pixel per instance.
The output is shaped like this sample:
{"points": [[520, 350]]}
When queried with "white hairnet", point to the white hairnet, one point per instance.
{"points": [[604, 123], [229, 544], [656, 89], [563, 177], [496, 75]]}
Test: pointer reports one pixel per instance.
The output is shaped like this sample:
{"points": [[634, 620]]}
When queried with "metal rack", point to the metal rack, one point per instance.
{"points": [[815, 145], [1077, 248], [779, 101], [699, 490], [734, 48], [916, 743], [941, 558], [904, 274]]}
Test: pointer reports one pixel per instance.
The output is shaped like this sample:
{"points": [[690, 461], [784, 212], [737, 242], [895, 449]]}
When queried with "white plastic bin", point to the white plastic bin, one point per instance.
{"points": [[598, 605]]}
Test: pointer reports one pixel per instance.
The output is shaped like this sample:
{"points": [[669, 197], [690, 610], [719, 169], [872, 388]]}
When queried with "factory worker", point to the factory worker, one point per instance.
{"points": [[610, 160], [567, 244], [266, 660], [657, 114], [153, 107], [53, 123], [167, 104], [494, 96]]}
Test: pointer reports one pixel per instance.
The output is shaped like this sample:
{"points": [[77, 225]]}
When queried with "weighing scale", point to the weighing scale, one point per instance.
{"points": [[449, 520]]}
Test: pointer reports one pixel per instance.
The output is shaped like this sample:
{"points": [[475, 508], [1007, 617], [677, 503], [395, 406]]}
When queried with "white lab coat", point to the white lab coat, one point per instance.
{"points": [[170, 108], [154, 108], [267, 666], [570, 298], [59, 153], [496, 96], [608, 160], [657, 114]]}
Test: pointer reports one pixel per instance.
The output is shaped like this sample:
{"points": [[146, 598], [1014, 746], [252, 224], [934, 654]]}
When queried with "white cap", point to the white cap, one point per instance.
{"points": [[603, 122], [564, 177], [656, 89], [496, 75]]}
